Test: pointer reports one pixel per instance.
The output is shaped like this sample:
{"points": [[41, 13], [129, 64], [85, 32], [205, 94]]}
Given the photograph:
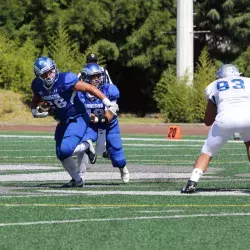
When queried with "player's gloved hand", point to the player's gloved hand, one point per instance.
{"points": [[112, 106], [36, 114], [113, 109]]}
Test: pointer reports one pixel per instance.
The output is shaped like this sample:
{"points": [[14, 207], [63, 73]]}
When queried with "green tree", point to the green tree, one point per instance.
{"points": [[16, 65], [63, 50], [105, 50], [151, 45], [174, 97], [204, 74], [88, 21], [179, 102], [243, 62], [229, 24]]}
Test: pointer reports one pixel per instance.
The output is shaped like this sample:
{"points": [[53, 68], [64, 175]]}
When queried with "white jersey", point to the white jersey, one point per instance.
{"points": [[230, 94], [232, 98]]}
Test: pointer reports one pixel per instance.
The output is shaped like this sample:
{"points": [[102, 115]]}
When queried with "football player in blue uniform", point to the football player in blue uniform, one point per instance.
{"points": [[92, 58], [104, 127], [60, 89]]}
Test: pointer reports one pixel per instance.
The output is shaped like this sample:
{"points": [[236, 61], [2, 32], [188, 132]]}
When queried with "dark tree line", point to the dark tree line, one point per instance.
{"points": [[135, 40]]}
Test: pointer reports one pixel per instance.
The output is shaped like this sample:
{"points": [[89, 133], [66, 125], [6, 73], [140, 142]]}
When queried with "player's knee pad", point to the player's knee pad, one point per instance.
{"points": [[115, 150], [117, 157], [114, 141], [64, 151], [119, 163]]}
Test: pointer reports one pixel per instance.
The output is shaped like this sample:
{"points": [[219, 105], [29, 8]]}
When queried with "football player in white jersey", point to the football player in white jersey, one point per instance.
{"points": [[228, 112]]}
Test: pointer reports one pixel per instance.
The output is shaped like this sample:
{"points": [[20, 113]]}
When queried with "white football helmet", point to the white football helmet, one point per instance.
{"points": [[227, 70]]}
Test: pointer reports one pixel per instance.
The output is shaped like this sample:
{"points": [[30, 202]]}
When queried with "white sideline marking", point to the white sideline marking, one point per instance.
{"points": [[26, 167], [64, 176], [28, 136], [124, 139], [161, 146], [163, 193], [26, 157], [23, 150], [122, 219], [52, 193]]}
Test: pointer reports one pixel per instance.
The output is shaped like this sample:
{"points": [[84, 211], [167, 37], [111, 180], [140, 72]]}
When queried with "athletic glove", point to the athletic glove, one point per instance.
{"points": [[112, 106], [113, 109], [37, 114]]}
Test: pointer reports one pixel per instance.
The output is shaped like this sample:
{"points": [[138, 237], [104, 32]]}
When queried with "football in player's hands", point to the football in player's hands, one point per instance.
{"points": [[44, 106], [92, 118]]}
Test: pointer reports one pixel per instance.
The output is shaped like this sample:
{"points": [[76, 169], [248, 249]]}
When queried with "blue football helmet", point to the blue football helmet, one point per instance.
{"points": [[45, 69], [92, 73], [227, 70]]}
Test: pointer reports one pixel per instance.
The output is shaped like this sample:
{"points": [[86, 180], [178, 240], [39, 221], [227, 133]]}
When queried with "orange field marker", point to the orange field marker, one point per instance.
{"points": [[174, 132]]}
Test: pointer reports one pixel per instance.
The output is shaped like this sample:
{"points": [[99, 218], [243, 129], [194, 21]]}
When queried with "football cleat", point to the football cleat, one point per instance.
{"points": [[124, 174], [106, 155], [91, 152], [189, 188], [73, 183]]}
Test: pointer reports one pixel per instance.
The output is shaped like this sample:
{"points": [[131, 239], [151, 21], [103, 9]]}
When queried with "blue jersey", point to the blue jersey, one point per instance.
{"points": [[113, 136], [96, 106], [61, 96]]}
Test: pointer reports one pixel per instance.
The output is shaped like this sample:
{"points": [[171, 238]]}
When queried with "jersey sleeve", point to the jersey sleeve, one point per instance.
{"points": [[70, 80], [113, 92], [210, 91], [33, 88], [35, 85]]}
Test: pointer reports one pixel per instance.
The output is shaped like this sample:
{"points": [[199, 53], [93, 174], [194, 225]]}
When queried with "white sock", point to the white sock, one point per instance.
{"points": [[196, 174], [82, 162], [70, 165], [81, 148]]}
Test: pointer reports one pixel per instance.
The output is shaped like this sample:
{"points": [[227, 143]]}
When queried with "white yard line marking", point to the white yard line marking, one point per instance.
{"points": [[177, 155], [122, 219], [33, 195], [122, 205], [161, 193]]}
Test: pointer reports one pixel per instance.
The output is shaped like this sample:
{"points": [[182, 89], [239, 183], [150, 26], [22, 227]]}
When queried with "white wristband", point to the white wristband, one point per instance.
{"points": [[106, 101]]}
